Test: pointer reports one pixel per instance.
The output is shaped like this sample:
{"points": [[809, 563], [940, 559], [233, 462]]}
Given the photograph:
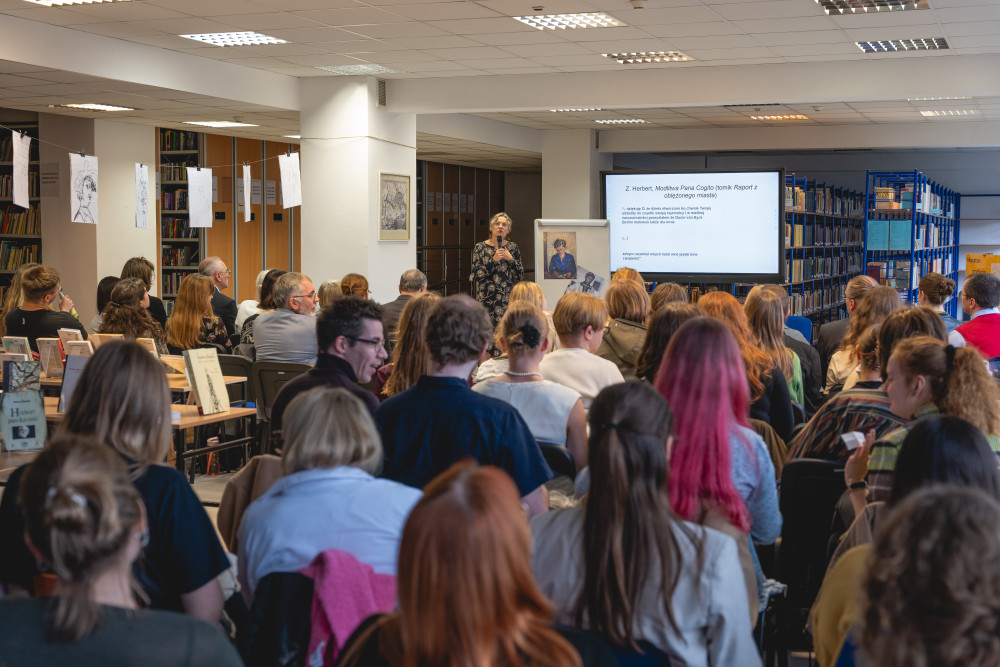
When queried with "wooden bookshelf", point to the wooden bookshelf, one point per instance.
{"points": [[181, 246], [20, 228]]}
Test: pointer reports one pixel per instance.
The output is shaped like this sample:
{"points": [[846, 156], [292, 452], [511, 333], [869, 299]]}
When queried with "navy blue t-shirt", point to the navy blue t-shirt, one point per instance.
{"points": [[441, 421], [183, 553]]}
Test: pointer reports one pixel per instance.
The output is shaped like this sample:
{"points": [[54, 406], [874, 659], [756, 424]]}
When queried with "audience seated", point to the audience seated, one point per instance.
{"points": [[349, 333], [628, 308], [192, 323], [466, 592], [874, 307], [830, 335], [328, 498], [766, 318], [579, 320], [104, 287], [265, 305], [14, 296], [328, 292], [720, 472], [867, 374], [769, 398], [663, 324], [410, 358], [250, 307], [288, 333], [223, 307], [934, 289], [667, 293], [627, 273], [554, 413], [440, 420], [623, 565], [34, 318], [123, 401], [980, 297], [812, 374], [85, 518], [862, 408], [144, 270], [356, 284], [126, 313], [924, 377], [411, 283], [532, 292]]}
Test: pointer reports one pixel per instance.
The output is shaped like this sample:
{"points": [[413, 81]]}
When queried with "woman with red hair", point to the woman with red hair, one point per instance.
{"points": [[467, 596], [769, 397], [719, 468]]}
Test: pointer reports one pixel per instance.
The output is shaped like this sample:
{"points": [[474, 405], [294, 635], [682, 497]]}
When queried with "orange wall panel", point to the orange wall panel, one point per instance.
{"points": [[249, 235]]}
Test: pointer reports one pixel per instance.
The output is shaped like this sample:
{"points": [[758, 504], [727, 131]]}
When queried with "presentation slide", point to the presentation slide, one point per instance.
{"points": [[689, 224]]}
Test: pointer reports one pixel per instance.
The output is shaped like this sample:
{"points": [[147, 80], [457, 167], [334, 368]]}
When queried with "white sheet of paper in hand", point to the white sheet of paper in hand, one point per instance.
{"points": [[246, 193], [199, 197], [83, 188], [22, 149], [291, 181], [141, 196]]}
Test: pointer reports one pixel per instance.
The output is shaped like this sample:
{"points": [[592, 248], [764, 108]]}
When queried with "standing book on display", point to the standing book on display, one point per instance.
{"points": [[22, 408], [150, 345], [51, 353], [81, 348], [16, 345], [67, 335], [100, 339], [208, 385], [71, 375]]}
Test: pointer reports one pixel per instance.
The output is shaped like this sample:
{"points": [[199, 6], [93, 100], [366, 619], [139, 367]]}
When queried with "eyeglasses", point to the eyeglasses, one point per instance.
{"points": [[311, 295], [376, 343], [228, 272]]}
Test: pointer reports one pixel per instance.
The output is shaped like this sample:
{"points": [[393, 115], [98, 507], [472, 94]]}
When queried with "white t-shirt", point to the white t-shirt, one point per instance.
{"points": [[543, 404], [581, 371]]}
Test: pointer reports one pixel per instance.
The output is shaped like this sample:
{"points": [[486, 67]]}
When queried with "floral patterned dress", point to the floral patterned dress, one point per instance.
{"points": [[492, 281]]}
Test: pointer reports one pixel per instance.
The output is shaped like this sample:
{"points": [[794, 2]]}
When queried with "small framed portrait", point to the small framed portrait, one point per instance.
{"points": [[560, 255], [393, 207]]}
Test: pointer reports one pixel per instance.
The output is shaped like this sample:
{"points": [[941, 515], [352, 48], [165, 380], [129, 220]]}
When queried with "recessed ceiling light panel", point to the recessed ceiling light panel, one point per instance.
{"points": [[95, 107], [621, 121], [889, 45], [349, 70], [935, 99], [791, 116], [292, 136], [218, 123], [646, 57], [59, 3], [863, 6], [235, 38], [572, 110], [571, 21], [941, 113]]}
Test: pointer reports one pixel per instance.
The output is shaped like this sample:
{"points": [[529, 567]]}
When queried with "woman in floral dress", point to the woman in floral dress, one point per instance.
{"points": [[495, 269]]}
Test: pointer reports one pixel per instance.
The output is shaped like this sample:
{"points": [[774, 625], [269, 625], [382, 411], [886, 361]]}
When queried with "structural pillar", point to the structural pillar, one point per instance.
{"points": [[571, 174]]}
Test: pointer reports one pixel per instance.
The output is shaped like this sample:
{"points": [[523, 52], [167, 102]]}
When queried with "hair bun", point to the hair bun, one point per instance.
{"points": [[530, 335], [67, 509]]}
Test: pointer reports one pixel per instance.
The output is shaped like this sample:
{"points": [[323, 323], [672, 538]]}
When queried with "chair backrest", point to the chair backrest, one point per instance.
{"points": [[236, 365], [559, 459], [801, 324], [649, 657], [280, 622], [268, 379], [810, 489]]}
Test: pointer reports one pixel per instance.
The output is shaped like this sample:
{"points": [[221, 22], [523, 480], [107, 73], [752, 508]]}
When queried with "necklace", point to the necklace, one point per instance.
{"points": [[521, 375]]}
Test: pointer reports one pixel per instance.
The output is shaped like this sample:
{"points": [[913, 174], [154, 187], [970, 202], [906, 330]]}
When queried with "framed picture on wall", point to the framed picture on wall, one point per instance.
{"points": [[393, 207]]}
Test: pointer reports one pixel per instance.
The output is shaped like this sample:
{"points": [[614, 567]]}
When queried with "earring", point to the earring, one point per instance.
{"points": [[144, 538]]}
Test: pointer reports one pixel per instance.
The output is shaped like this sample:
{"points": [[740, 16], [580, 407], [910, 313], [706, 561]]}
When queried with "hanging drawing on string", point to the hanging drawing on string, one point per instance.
{"points": [[83, 178], [199, 197], [141, 196], [394, 207], [22, 151], [291, 180]]}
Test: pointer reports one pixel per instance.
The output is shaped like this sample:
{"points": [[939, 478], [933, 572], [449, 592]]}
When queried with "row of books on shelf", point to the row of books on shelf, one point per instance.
{"points": [[907, 198], [898, 234], [173, 172], [797, 270], [7, 148], [172, 280], [177, 140], [177, 228], [7, 185], [17, 220], [185, 255], [798, 235], [174, 200], [809, 300], [823, 200], [13, 255], [894, 273]]}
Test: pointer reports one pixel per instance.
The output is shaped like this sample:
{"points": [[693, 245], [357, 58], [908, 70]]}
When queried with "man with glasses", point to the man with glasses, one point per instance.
{"points": [[288, 333], [35, 319], [224, 307], [980, 297], [352, 347]]}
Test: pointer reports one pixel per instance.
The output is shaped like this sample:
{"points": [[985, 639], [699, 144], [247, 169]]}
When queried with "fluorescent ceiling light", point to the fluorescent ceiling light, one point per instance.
{"points": [[218, 123], [572, 21], [935, 99], [95, 107], [349, 70], [292, 136], [58, 3], [926, 44], [620, 121], [949, 112], [235, 38], [642, 57], [571, 110], [792, 116], [862, 6]]}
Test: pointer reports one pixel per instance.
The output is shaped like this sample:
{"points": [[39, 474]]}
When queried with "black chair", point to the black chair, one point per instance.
{"points": [[278, 632], [798, 413], [236, 365], [266, 380]]}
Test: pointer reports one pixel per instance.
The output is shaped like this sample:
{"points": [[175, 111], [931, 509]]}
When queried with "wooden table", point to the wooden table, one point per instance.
{"points": [[11, 461], [176, 383]]}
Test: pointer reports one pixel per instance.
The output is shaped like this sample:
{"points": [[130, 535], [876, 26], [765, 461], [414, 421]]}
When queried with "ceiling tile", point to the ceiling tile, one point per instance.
{"points": [[796, 38], [619, 46], [800, 24], [845, 48], [129, 11], [497, 63], [324, 60], [591, 59], [530, 50], [315, 33], [187, 26], [693, 29], [673, 16], [768, 9], [990, 12], [714, 42], [394, 30], [479, 26], [267, 21], [397, 56], [358, 16], [505, 38], [718, 54], [468, 53], [438, 42], [433, 11]]}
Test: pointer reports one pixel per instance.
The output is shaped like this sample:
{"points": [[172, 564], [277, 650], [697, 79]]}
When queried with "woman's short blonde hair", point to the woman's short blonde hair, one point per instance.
{"points": [[628, 300], [626, 273], [329, 427], [329, 292], [576, 311], [527, 291], [501, 214]]}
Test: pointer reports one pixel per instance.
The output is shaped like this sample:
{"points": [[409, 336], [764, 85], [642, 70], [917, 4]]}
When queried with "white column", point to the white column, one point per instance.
{"points": [[571, 174], [346, 143]]}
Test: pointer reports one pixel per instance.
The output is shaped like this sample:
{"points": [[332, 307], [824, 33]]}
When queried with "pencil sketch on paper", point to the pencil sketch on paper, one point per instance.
{"points": [[141, 196], [394, 207], [199, 197], [83, 177], [291, 180], [22, 151]]}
